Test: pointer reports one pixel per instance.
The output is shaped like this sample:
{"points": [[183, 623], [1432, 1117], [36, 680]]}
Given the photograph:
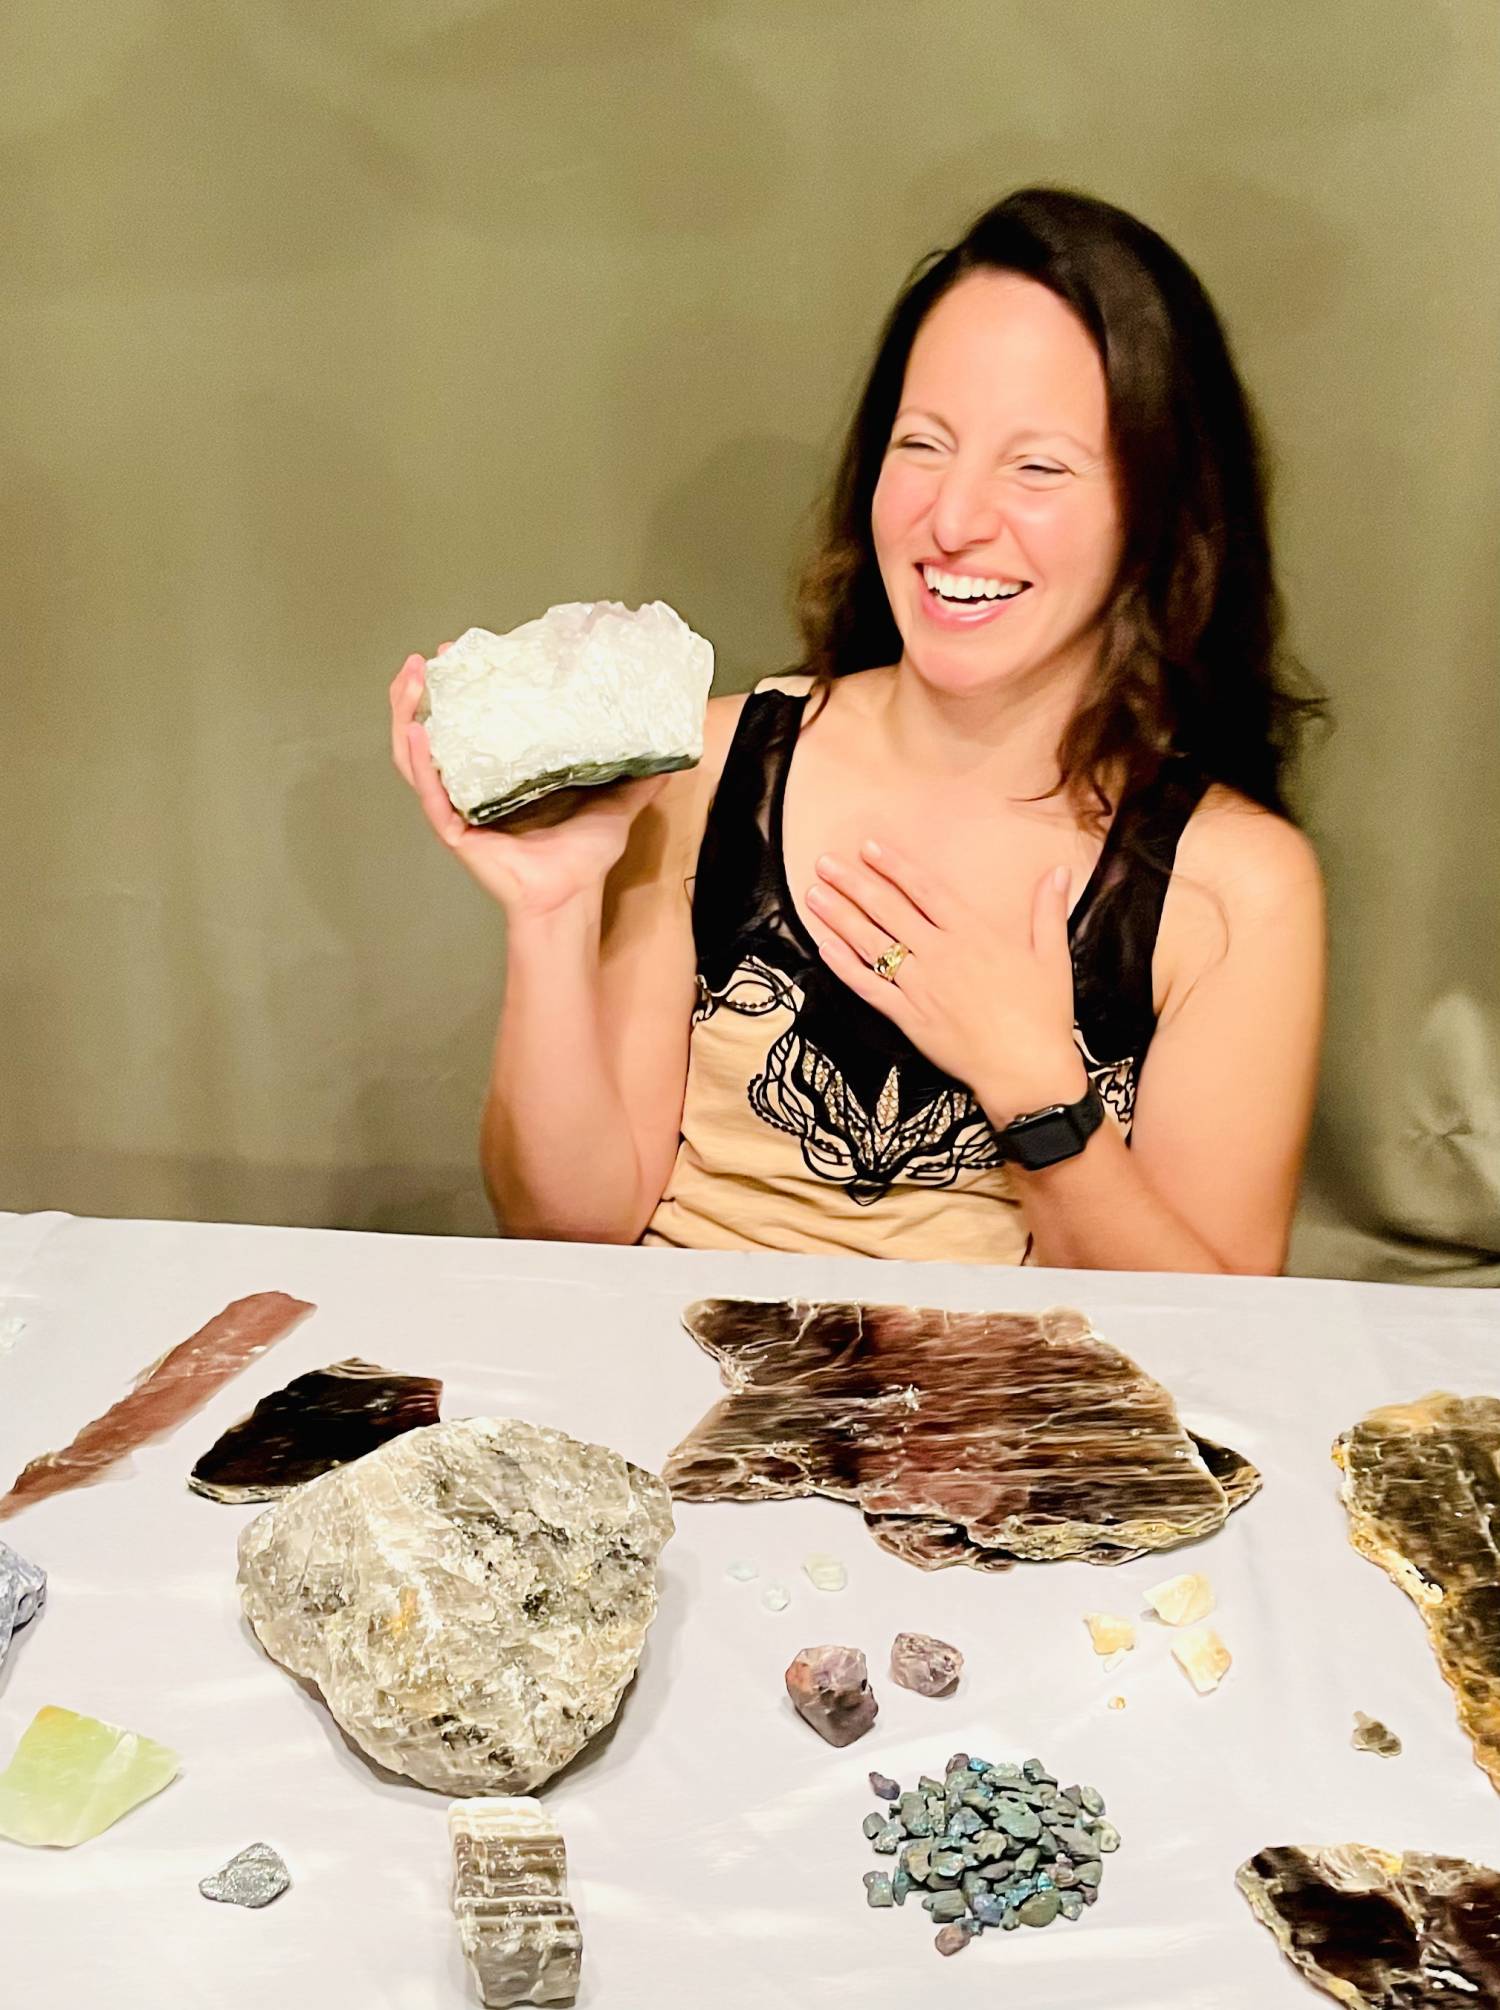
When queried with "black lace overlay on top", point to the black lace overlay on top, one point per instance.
{"points": [[867, 1108]]}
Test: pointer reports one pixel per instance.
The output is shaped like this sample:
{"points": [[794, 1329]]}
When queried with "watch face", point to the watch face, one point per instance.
{"points": [[1061, 1132]]}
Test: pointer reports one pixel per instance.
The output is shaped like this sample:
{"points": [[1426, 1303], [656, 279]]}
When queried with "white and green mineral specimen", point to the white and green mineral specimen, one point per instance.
{"points": [[591, 692]]}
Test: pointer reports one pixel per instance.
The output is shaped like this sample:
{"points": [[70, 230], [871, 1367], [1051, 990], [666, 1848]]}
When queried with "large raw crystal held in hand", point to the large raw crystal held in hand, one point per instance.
{"points": [[590, 692], [471, 1599]]}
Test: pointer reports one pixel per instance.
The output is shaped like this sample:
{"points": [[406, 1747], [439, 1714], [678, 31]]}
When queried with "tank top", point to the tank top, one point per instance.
{"points": [[810, 1121]]}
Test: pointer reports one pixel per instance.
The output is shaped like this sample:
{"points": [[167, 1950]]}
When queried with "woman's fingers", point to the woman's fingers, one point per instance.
{"points": [[1049, 915], [932, 900], [406, 690], [440, 813], [849, 922], [878, 898]]}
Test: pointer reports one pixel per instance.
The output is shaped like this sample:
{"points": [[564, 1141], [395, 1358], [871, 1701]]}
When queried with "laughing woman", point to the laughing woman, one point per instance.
{"points": [[986, 936]]}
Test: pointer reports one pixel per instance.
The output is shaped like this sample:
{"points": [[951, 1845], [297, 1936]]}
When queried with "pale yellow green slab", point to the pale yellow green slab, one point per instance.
{"points": [[72, 1776]]}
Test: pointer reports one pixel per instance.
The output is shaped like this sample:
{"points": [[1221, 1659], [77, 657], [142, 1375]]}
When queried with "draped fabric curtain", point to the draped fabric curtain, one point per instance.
{"points": [[329, 331]]}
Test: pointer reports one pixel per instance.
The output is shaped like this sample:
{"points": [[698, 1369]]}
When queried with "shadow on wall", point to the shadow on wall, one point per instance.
{"points": [[721, 545]]}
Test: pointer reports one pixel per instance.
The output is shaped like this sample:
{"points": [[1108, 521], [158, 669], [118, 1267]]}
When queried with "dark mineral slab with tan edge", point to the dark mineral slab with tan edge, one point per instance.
{"points": [[1422, 1486], [1382, 1931], [966, 1437], [318, 1421], [170, 1390]]}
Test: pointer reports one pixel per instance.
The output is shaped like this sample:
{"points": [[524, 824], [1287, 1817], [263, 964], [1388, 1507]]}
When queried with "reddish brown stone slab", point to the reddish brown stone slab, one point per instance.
{"points": [[974, 1437], [164, 1394]]}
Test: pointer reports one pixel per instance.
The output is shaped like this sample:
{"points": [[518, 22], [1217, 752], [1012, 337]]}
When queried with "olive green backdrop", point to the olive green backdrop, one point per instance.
{"points": [[333, 326]]}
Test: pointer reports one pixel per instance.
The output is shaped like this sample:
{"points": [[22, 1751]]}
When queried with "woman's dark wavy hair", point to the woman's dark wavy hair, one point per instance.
{"points": [[1190, 664]]}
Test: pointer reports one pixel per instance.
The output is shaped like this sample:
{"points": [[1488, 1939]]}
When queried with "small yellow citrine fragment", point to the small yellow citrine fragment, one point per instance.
{"points": [[1110, 1634], [1117, 1702], [1203, 1657], [1182, 1600]]}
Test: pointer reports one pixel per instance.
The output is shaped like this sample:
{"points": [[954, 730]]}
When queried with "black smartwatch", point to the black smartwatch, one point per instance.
{"points": [[1043, 1137]]}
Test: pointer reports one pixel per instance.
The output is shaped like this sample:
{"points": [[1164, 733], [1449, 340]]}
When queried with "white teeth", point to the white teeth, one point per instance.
{"points": [[965, 586]]}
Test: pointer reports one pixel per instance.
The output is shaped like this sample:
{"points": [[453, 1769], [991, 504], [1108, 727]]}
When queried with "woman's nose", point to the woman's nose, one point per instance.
{"points": [[965, 511]]}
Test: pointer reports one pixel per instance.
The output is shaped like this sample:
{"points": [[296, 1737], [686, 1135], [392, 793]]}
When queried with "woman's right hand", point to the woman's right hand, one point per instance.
{"points": [[543, 857]]}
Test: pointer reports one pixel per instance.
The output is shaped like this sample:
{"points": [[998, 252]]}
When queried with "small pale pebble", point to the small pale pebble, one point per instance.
{"points": [[930, 1667], [742, 1570], [1182, 1600], [825, 1573], [1109, 1633], [878, 1888], [776, 1598], [1203, 1658], [1370, 1735], [951, 1939]]}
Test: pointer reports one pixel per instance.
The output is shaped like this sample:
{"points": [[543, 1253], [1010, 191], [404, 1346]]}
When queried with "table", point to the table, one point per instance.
{"points": [[714, 1841]]}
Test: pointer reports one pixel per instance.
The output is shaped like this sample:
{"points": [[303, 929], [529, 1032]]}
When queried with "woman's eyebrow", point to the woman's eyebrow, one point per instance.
{"points": [[1030, 433]]}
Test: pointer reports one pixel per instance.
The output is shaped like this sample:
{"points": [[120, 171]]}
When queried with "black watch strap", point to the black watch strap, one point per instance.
{"points": [[1044, 1137]]}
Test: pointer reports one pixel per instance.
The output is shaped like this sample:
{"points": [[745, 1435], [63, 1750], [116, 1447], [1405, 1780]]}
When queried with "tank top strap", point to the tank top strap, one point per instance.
{"points": [[1114, 928], [737, 892]]}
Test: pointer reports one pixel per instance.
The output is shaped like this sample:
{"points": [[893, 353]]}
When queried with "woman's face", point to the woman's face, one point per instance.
{"points": [[995, 518]]}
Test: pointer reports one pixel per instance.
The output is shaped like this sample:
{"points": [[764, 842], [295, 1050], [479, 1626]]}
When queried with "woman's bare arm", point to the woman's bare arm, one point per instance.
{"points": [[584, 1105], [1210, 1179]]}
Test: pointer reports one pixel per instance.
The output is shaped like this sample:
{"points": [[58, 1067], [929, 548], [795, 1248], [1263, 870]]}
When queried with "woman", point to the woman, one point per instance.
{"points": [[988, 935]]}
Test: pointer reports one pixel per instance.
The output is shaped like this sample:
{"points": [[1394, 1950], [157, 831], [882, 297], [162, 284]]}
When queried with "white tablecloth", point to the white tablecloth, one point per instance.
{"points": [[714, 1841]]}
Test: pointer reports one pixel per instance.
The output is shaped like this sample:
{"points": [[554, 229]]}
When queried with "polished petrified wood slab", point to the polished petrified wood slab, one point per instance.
{"points": [[1422, 1486], [1381, 1931], [966, 1437], [318, 1421]]}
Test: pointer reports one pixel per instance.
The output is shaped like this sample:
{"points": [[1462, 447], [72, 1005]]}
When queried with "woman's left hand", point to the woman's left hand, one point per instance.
{"points": [[993, 1010]]}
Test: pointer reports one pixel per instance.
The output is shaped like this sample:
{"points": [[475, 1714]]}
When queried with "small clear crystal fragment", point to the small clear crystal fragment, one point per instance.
{"points": [[776, 1598], [825, 1573], [1370, 1735], [1180, 1601], [742, 1570]]}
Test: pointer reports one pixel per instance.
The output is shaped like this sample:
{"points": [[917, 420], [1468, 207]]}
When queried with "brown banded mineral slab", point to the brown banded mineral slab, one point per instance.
{"points": [[1381, 1931], [164, 1394], [326, 1419], [471, 1599], [518, 1931], [966, 1437], [1422, 1487]]}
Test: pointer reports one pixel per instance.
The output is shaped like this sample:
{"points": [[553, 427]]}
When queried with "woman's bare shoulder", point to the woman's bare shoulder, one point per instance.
{"points": [[1245, 879], [1252, 859]]}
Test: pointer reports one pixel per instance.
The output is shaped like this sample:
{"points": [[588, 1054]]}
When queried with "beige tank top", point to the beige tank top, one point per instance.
{"points": [[810, 1122]]}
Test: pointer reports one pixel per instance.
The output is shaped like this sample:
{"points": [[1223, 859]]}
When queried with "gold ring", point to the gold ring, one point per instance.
{"points": [[889, 961]]}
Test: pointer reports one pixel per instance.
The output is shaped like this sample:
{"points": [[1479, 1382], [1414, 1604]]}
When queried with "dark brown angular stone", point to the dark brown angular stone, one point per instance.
{"points": [[1422, 1486], [317, 1422], [966, 1437], [1379, 1931]]}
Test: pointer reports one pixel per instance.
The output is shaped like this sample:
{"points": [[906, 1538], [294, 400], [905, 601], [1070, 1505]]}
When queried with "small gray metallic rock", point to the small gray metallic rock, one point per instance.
{"points": [[23, 1591], [253, 1878]]}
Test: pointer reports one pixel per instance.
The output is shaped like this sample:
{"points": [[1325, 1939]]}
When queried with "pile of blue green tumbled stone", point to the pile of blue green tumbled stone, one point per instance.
{"points": [[989, 1845]]}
